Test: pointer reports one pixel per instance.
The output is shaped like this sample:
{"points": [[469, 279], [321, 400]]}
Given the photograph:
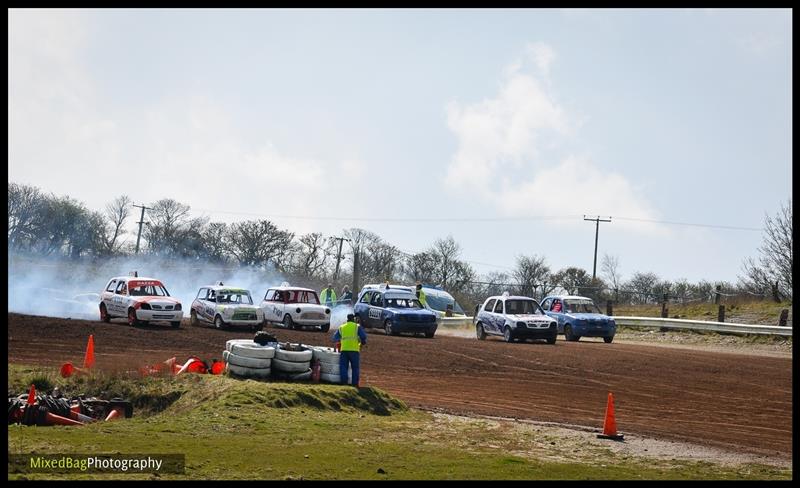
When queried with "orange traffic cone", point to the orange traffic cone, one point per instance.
{"points": [[53, 419], [68, 369], [610, 424], [75, 414], [88, 360], [115, 413]]}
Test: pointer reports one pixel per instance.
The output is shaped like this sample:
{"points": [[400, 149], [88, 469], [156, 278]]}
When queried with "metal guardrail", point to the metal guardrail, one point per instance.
{"points": [[455, 321], [703, 325]]}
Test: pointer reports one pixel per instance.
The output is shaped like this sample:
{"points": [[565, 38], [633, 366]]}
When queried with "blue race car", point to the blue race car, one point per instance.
{"points": [[395, 311], [579, 317]]}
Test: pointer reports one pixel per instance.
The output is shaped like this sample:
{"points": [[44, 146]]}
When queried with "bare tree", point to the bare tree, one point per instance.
{"points": [[25, 214], [531, 272], [117, 213], [572, 279], [213, 236], [311, 256], [609, 267], [167, 218], [773, 270], [642, 284], [258, 243]]}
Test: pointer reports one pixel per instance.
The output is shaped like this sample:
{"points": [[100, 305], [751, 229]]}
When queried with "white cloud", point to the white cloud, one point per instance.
{"points": [[505, 154], [758, 44]]}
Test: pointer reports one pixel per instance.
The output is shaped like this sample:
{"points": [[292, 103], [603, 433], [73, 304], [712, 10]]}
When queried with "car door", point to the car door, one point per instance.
{"points": [[361, 308], [107, 296], [375, 310], [278, 304], [557, 310], [486, 315], [120, 299], [498, 317]]}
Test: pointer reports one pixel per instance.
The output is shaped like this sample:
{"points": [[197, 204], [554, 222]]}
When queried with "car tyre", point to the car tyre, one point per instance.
{"points": [[551, 340], [176, 324], [387, 327], [132, 320], [568, 334], [608, 339], [480, 332], [507, 336], [193, 319], [429, 335], [326, 327], [104, 313], [218, 323], [288, 322]]}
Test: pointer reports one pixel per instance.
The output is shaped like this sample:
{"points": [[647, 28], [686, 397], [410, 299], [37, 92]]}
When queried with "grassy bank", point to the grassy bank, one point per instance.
{"points": [[232, 429]]}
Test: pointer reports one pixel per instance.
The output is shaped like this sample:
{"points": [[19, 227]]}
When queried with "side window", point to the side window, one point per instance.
{"points": [[270, 296], [122, 288], [556, 305], [279, 296], [490, 305], [111, 286], [546, 304], [376, 300], [366, 297], [212, 296], [201, 295], [499, 307]]}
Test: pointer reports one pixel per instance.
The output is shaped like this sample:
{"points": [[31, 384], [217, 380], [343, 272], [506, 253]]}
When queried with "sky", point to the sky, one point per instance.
{"points": [[501, 128]]}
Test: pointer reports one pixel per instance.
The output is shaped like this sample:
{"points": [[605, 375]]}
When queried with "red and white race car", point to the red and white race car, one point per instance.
{"points": [[140, 300]]}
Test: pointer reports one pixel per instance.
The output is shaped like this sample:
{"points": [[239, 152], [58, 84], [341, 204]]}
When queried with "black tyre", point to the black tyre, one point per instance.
{"points": [[387, 327], [193, 319], [568, 334], [218, 323], [326, 327], [176, 324], [551, 340], [608, 339], [132, 320], [104, 313], [480, 332], [429, 335], [507, 336], [288, 322]]}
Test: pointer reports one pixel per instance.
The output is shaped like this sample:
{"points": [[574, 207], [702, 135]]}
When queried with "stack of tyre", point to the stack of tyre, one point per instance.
{"points": [[329, 364], [292, 362], [248, 359]]}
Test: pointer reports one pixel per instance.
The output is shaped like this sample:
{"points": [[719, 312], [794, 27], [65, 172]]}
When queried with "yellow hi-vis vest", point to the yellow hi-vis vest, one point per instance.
{"points": [[349, 337], [422, 298]]}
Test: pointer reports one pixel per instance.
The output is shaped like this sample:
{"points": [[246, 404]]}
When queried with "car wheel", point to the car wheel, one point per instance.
{"points": [[507, 335], [104, 314], [387, 327], [551, 340], [132, 321], [608, 339], [218, 323], [288, 322], [429, 335], [326, 327], [568, 334], [193, 319], [480, 332], [176, 324]]}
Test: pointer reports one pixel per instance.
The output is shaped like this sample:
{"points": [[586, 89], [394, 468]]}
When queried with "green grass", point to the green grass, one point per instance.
{"points": [[756, 312], [232, 429]]}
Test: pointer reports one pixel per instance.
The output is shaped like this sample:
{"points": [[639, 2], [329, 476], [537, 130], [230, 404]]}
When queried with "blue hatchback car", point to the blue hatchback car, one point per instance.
{"points": [[579, 317], [395, 311]]}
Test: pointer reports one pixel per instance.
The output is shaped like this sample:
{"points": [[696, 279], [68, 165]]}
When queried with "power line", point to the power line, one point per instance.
{"points": [[714, 226]]}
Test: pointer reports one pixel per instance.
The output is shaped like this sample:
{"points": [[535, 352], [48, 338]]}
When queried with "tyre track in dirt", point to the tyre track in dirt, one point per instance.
{"points": [[731, 401]]}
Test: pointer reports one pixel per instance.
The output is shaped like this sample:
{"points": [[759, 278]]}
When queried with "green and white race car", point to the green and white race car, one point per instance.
{"points": [[226, 306]]}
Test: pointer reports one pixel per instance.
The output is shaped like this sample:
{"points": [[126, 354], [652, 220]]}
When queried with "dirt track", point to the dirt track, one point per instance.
{"points": [[730, 401]]}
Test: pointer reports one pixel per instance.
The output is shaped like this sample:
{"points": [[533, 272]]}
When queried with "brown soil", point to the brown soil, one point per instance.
{"points": [[729, 401]]}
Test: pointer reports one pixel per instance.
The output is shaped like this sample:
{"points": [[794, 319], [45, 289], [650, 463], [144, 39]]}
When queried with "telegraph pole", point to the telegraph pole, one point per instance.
{"points": [[597, 221], [141, 221], [338, 256]]}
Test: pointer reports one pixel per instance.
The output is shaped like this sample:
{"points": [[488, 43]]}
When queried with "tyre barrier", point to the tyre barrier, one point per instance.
{"points": [[284, 366], [302, 356], [325, 354], [252, 350], [302, 376], [246, 362], [249, 372], [329, 368], [333, 378], [231, 342]]}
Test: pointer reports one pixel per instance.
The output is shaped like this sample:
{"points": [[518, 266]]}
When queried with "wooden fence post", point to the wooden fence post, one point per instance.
{"points": [[609, 308], [721, 314], [717, 295], [664, 309], [784, 320]]}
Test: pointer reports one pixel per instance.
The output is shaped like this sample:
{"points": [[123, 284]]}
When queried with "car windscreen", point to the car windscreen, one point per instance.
{"points": [[403, 303], [440, 303], [229, 296], [523, 307], [149, 291], [581, 306]]}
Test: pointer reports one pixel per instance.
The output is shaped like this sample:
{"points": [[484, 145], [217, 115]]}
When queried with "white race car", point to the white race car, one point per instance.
{"points": [[293, 306], [140, 300], [226, 306]]}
